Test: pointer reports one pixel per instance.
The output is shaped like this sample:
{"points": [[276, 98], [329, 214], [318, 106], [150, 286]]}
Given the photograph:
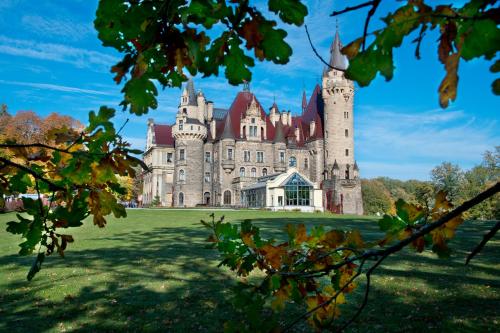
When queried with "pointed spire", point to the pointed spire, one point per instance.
{"points": [[337, 59], [228, 128], [191, 93], [335, 165], [356, 166], [304, 102], [280, 135]]}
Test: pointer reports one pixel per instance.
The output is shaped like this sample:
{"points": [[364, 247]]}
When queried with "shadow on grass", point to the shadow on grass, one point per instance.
{"points": [[164, 280]]}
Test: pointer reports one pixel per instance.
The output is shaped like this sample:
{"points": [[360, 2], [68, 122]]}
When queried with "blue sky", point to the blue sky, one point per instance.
{"points": [[52, 61]]}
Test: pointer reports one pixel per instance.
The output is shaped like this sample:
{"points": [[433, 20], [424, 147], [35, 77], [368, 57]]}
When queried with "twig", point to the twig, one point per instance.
{"points": [[350, 9], [33, 173], [371, 12], [325, 303], [485, 240], [317, 54], [125, 123]]}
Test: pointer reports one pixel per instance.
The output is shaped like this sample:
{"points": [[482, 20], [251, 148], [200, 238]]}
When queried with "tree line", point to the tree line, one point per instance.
{"points": [[381, 193]]}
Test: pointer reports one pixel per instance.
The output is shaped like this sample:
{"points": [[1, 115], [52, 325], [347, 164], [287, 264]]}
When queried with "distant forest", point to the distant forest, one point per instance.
{"points": [[380, 194]]}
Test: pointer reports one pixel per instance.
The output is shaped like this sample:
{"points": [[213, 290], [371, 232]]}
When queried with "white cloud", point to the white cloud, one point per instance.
{"points": [[414, 142], [60, 28], [55, 87], [80, 58]]}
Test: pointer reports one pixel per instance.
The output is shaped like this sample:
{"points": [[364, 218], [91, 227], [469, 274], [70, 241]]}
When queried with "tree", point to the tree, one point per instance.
{"points": [[447, 177], [164, 40], [376, 198]]}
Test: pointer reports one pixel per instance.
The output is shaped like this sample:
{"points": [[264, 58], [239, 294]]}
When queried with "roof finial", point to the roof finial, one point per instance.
{"points": [[337, 23], [246, 85]]}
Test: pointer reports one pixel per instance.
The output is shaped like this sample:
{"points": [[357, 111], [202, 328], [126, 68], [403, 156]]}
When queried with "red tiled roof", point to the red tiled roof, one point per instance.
{"points": [[163, 135]]}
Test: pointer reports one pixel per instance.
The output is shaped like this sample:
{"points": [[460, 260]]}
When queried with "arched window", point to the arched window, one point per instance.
{"points": [[206, 198], [242, 172], [254, 172], [182, 175], [264, 172], [181, 199], [227, 197], [347, 172], [346, 133], [292, 162]]}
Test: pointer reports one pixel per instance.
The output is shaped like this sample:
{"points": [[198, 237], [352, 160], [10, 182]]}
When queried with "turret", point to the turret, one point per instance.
{"points": [[338, 95], [228, 145], [279, 148]]}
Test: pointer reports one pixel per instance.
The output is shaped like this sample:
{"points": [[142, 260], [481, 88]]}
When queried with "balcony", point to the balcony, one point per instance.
{"points": [[227, 165], [279, 166]]}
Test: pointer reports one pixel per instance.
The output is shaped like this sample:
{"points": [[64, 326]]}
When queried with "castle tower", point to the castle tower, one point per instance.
{"points": [[338, 97], [189, 133]]}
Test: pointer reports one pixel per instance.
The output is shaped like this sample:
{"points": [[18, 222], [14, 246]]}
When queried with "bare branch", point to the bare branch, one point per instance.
{"points": [[317, 54], [371, 12], [485, 240], [353, 8]]}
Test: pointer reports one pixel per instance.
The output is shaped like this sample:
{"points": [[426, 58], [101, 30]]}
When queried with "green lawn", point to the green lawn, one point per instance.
{"points": [[150, 272]]}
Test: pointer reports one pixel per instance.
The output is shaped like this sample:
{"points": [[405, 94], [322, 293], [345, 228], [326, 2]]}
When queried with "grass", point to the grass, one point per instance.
{"points": [[150, 272]]}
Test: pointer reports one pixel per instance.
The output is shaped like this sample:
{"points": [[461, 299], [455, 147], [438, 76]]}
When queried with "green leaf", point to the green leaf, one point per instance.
{"points": [[273, 45], [20, 182], [237, 63], [480, 38], [290, 11], [140, 94], [391, 224]]}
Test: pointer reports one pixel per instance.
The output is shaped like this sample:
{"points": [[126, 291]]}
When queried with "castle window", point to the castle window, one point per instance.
{"points": [[181, 125], [246, 155], [347, 172], [242, 172], [181, 199], [191, 127], [207, 177], [297, 192], [306, 163], [253, 120], [207, 157], [292, 162], [253, 173], [169, 157], [264, 172], [347, 152], [230, 154], [326, 134], [282, 156], [260, 157], [182, 175], [346, 133], [184, 110], [227, 197], [182, 154]]}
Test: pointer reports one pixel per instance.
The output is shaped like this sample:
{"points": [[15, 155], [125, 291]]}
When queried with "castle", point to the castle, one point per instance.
{"points": [[245, 157]]}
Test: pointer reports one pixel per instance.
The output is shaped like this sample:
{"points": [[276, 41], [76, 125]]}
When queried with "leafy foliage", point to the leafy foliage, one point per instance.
{"points": [[162, 40], [73, 179], [467, 32], [317, 269]]}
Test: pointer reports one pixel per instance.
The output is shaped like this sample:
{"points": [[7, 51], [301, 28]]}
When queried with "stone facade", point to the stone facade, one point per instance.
{"points": [[209, 155]]}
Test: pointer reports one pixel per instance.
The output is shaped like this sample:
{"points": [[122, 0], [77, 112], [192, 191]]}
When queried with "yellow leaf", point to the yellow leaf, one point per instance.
{"points": [[247, 239]]}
